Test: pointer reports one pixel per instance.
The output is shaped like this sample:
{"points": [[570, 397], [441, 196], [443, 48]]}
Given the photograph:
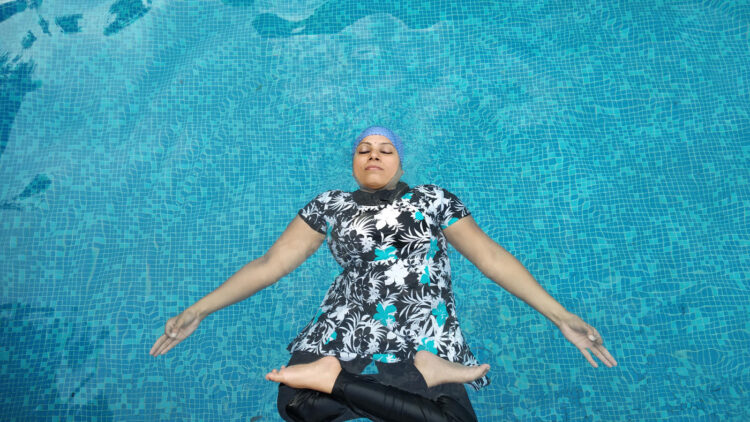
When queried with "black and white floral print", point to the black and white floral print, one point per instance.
{"points": [[394, 295]]}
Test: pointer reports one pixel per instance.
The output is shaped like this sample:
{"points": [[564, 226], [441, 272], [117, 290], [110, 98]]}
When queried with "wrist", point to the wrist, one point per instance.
{"points": [[200, 310], [558, 316]]}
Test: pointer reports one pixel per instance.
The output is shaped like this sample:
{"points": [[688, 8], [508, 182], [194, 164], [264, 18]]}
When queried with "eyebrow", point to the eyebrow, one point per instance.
{"points": [[379, 143]]}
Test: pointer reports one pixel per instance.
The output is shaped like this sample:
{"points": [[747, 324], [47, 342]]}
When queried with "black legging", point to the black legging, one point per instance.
{"points": [[396, 393]]}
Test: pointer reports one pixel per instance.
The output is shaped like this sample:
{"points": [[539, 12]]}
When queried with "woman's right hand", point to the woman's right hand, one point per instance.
{"points": [[176, 330]]}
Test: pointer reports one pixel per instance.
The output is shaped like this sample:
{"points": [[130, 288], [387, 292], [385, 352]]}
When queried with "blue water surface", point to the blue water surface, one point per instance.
{"points": [[149, 149]]}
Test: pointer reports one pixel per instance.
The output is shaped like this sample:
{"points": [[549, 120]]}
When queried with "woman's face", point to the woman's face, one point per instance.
{"points": [[375, 162]]}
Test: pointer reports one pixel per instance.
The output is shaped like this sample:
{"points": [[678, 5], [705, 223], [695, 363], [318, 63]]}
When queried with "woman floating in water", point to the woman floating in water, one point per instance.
{"points": [[392, 303]]}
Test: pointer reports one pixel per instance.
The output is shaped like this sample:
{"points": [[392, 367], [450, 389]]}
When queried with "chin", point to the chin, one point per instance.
{"points": [[374, 181], [374, 178], [374, 186]]}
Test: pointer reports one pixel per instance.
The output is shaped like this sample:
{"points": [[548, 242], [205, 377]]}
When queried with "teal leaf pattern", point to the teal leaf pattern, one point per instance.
{"points": [[393, 296], [385, 314], [440, 313]]}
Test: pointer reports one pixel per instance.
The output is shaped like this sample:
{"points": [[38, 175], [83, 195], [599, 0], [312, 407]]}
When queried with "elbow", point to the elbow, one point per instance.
{"points": [[265, 272], [284, 257], [493, 263], [276, 267], [264, 261]]}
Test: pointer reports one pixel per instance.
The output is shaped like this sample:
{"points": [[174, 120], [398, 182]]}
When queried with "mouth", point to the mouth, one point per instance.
{"points": [[373, 168]]}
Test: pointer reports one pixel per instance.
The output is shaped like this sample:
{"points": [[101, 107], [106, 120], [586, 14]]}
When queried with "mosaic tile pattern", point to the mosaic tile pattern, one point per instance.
{"points": [[149, 149]]}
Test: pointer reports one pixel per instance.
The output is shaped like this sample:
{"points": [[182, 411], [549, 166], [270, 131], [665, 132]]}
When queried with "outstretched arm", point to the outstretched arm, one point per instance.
{"points": [[504, 269], [291, 249], [501, 267], [294, 246]]}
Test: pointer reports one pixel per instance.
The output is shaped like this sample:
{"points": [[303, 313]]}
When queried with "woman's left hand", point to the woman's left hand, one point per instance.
{"points": [[584, 336]]}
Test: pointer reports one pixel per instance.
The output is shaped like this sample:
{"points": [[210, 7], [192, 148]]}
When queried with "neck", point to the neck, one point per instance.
{"points": [[390, 186], [380, 196]]}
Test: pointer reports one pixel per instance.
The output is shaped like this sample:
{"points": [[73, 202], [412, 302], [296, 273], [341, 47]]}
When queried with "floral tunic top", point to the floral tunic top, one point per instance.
{"points": [[394, 296]]}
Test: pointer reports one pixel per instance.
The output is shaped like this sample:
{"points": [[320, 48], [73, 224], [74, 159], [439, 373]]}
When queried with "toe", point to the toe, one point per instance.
{"points": [[272, 376]]}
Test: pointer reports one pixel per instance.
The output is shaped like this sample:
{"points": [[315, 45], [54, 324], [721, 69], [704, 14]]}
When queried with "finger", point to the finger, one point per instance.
{"points": [[597, 351], [162, 346], [167, 341], [588, 357], [168, 345], [606, 353], [171, 345], [157, 345]]}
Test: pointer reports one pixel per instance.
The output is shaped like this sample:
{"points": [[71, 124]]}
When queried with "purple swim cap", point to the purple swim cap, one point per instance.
{"points": [[383, 131]]}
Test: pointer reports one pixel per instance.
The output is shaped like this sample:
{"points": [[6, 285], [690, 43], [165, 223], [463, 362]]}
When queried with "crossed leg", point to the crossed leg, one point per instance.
{"points": [[322, 388], [321, 374]]}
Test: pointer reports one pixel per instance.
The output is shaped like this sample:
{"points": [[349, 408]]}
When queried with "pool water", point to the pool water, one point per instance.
{"points": [[149, 149]]}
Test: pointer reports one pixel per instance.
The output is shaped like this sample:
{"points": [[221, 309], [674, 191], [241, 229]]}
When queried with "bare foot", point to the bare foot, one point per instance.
{"points": [[437, 370], [319, 375]]}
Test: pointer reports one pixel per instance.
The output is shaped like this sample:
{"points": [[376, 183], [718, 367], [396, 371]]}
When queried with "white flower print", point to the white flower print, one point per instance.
{"points": [[340, 313], [387, 216], [381, 306], [396, 274]]}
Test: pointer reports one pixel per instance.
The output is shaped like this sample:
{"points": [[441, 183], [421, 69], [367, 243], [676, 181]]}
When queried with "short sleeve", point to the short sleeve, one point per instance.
{"points": [[449, 208], [314, 212]]}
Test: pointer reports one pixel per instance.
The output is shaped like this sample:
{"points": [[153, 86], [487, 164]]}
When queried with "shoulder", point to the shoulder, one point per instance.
{"points": [[329, 195], [433, 191], [322, 200], [428, 189], [440, 198], [334, 200]]}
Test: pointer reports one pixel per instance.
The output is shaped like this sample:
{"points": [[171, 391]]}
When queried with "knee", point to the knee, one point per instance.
{"points": [[311, 406], [453, 410], [284, 397], [294, 409]]}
